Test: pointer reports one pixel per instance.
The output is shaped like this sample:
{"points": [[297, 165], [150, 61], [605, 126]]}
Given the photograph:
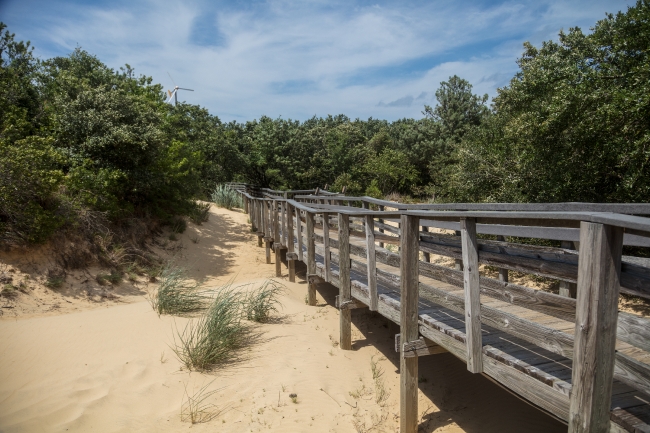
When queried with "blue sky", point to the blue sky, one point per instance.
{"points": [[297, 59]]}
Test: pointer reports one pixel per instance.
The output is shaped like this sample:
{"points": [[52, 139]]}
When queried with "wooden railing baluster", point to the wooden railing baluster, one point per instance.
{"points": [[472, 295], [326, 247], [599, 271], [311, 259], [345, 289], [371, 262]]}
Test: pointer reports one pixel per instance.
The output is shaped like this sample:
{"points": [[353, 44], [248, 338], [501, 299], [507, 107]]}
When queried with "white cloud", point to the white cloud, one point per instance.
{"points": [[299, 59]]}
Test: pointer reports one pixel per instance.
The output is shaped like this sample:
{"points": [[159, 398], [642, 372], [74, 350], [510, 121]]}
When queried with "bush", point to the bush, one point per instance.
{"points": [[200, 213], [225, 197]]}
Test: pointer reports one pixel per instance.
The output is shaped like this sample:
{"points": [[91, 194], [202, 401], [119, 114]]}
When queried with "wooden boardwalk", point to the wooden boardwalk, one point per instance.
{"points": [[539, 345]]}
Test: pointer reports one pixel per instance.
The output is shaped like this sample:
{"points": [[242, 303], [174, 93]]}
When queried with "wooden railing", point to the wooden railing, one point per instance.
{"points": [[603, 346]]}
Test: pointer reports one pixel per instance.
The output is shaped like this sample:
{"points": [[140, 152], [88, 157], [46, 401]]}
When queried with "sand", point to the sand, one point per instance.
{"points": [[105, 363]]}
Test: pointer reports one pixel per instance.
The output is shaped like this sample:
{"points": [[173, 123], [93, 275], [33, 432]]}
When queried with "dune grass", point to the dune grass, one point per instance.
{"points": [[225, 197], [176, 294], [262, 302], [215, 338]]}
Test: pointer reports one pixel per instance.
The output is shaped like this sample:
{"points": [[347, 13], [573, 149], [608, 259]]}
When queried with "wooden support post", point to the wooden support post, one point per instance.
{"points": [[371, 262], [265, 225], [381, 208], [267, 242], [459, 262], [278, 260], [326, 246], [345, 286], [503, 273], [299, 234], [427, 256], [291, 263], [283, 227], [472, 295], [276, 223], [568, 289], [599, 272], [311, 257], [409, 297]]}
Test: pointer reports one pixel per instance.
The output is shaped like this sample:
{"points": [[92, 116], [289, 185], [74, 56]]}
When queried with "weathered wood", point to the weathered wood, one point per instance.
{"points": [[595, 334], [291, 255], [352, 304], [299, 234], [268, 244], [381, 221], [278, 260], [345, 317], [567, 289], [503, 273], [472, 295], [326, 246], [371, 262], [409, 297], [420, 347], [425, 255], [311, 257]]}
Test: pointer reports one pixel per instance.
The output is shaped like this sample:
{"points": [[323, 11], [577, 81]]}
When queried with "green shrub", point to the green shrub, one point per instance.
{"points": [[200, 213], [225, 197]]}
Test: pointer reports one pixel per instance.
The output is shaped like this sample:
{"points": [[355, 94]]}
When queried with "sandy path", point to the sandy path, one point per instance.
{"points": [[112, 369]]}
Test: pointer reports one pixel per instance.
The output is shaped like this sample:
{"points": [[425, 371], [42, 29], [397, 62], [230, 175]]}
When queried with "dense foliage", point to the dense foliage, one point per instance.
{"points": [[572, 125]]}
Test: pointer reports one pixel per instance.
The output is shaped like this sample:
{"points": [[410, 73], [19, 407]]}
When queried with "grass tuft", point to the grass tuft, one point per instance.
{"points": [[225, 197], [215, 337], [195, 409], [260, 303], [176, 294]]}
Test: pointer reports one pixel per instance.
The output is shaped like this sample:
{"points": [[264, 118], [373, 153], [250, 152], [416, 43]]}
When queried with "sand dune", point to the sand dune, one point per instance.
{"points": [[112, 369]]}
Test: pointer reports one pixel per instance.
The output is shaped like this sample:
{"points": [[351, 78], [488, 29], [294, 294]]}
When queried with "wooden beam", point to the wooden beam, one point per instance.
{"points": [[326, 246], [311, 257], [299, 233], [409, 297], [352, 304], [420, 347], [566, 288], [291, 259], [599, 271], [472, 295], [345, 317], [503, 273], [371, 262]]}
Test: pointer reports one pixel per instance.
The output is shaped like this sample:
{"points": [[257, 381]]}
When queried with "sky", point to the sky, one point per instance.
{"points": [[299, 59]]}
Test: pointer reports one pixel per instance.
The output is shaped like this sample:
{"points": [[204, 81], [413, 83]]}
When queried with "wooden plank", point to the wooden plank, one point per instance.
{"points": [[345, 317], [472, 295], [311, 257], [371, 262], [299, 233], [503, 273], [326, 245], [420, 347], [352, 304], [409, 297], [291, 260], [426, 256], [567, 289], [595, 335]]}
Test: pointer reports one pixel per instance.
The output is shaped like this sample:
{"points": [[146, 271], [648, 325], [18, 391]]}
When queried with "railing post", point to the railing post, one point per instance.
{"points": [[427, 256], [277, 243], [311, 258], [599, 272], [291, 264], [409, 297], [283, 204], [371, 263], [299, 234], [503, 273], [472, 295], [259, 222], [326, 247], [381, 209], [568, 289], [345, 293], [267, 232]]}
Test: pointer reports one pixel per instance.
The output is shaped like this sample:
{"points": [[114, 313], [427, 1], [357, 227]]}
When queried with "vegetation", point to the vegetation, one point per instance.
{"points": [[176, 294], [225, 197], [262, 302], [79, 139]]}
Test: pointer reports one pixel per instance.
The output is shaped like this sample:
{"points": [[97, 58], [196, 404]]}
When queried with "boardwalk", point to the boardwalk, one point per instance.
{"points": [[572, 355]]}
